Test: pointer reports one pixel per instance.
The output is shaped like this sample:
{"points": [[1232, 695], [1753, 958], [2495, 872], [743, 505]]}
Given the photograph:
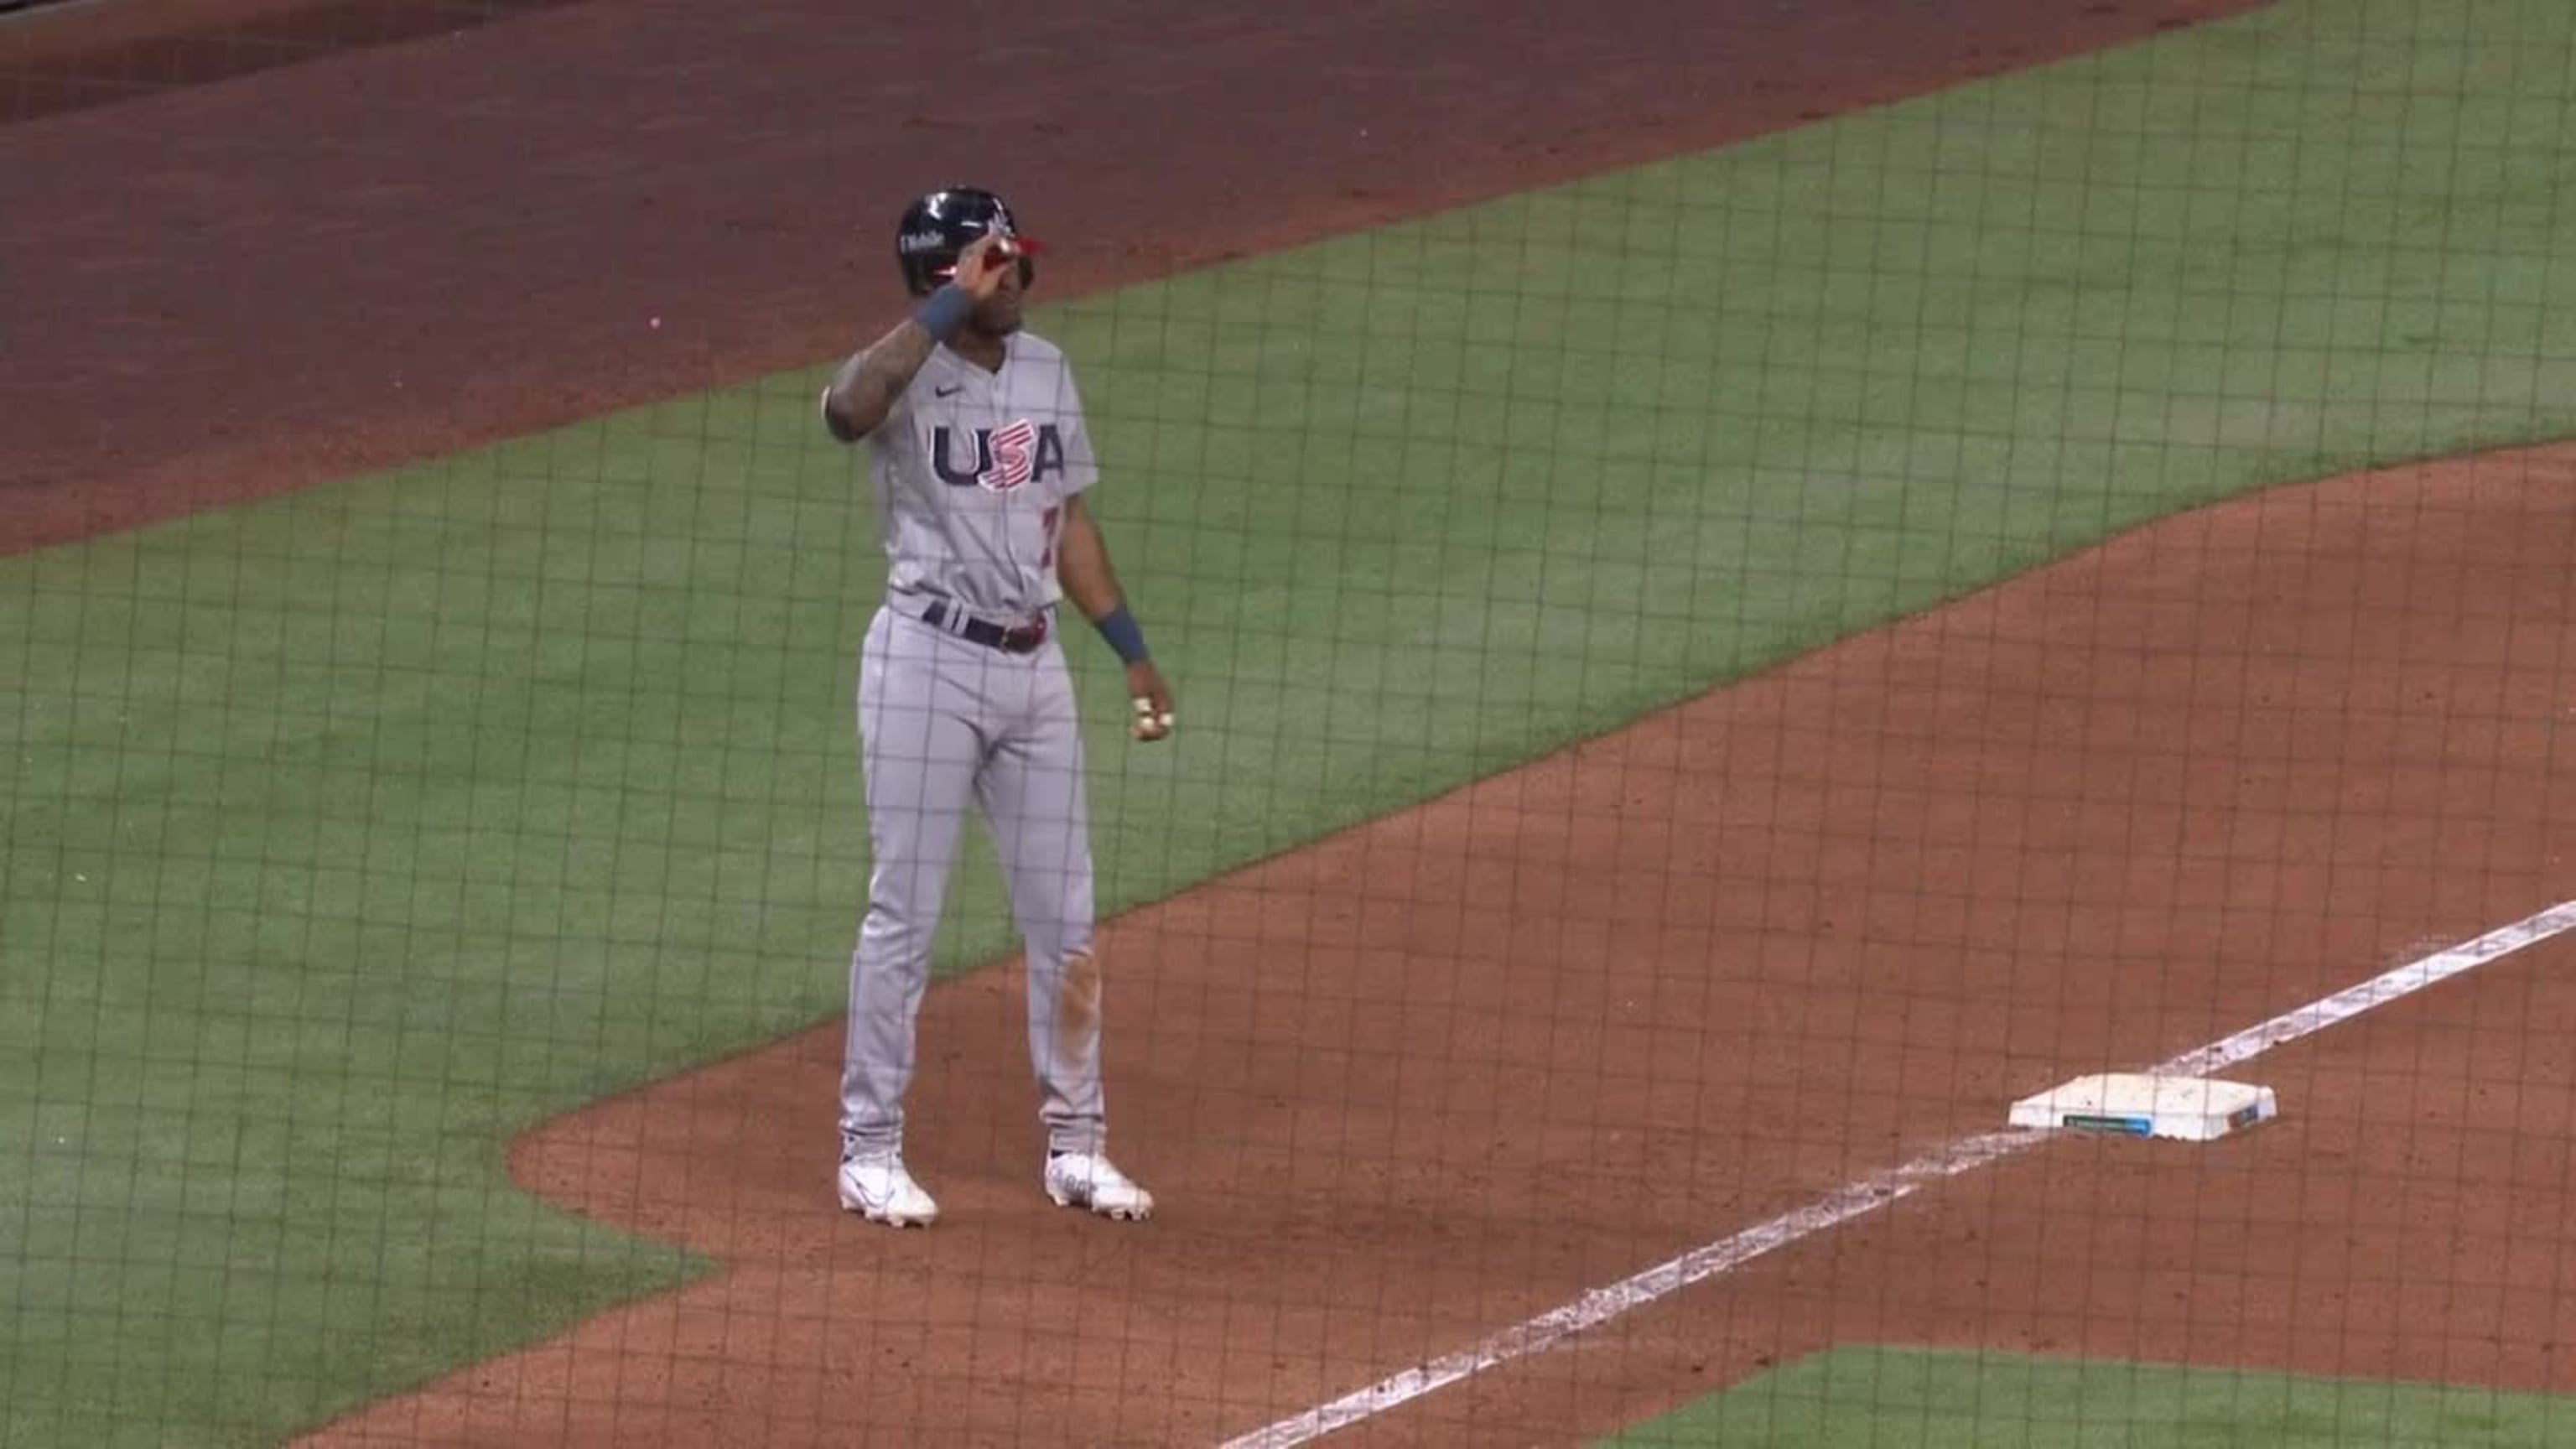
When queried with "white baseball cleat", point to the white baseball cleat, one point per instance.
{"points": [[877, 1188], [1090, 1180]]}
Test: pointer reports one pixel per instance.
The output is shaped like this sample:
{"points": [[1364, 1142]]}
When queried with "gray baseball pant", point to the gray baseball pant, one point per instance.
{"points": [[944, 722]]}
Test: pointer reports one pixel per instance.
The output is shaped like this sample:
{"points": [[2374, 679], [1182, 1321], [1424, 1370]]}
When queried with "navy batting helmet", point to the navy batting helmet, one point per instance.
{"points": [[939, 225]]}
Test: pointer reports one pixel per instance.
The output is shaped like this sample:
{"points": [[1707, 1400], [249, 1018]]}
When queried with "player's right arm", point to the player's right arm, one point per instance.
{"points": [[864, 388]]}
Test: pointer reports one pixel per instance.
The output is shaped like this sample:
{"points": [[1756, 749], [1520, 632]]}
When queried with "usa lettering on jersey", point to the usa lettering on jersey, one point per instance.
{"points": [[1006, 458]]}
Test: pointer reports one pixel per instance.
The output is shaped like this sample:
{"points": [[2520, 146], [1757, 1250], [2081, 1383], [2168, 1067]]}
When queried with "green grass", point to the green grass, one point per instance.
{"points": [[350, 833], [1882, 1398]]}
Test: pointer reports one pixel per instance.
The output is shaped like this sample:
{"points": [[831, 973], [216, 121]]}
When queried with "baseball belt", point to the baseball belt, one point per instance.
{"points": [[1024, 639]]}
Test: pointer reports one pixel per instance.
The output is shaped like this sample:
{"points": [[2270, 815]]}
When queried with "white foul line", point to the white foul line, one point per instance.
{"points": [[1869, 1194]]}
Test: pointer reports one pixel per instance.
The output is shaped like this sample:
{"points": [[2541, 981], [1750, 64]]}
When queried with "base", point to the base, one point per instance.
{"points": [[2193, 1109]]}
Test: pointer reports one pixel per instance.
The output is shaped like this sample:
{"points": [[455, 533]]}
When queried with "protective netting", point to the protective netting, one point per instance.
{"points": [[1740, 588]]}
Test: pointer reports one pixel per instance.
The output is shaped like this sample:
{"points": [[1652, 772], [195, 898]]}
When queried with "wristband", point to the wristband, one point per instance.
{"points": [[944, 311], [1119, 628]]}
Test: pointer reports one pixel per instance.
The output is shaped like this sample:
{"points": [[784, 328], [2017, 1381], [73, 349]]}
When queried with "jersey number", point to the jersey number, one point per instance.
{"points": [[1046, 523]]}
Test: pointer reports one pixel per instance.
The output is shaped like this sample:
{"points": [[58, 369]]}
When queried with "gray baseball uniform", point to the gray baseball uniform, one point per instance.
{"points": [[971, 470]]}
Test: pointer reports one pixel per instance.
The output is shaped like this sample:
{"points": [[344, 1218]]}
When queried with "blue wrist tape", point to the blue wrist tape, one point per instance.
{"points": [[1119, 628], [944, 311]]}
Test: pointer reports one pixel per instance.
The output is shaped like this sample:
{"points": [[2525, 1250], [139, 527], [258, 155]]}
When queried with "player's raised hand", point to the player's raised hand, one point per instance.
{"points": [[982, 265]]}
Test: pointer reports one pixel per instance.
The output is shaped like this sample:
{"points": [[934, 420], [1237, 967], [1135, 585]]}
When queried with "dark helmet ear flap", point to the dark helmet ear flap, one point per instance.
{"points": [[924, 250]]}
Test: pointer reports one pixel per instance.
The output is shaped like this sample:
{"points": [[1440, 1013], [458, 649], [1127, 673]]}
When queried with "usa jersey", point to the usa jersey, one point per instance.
{"points": [[971, 470]]}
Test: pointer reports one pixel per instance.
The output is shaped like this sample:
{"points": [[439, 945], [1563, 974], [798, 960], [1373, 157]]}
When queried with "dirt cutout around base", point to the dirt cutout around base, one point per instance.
{"points": [[1437, 1074]]}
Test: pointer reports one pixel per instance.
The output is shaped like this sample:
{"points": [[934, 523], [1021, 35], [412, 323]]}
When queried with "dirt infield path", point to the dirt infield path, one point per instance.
{"points": [[254, 285], [98, 52], [1448, 1070]]}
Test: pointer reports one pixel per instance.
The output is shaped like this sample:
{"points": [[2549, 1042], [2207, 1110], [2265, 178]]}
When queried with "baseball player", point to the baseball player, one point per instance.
{"points": [[980, 458]]}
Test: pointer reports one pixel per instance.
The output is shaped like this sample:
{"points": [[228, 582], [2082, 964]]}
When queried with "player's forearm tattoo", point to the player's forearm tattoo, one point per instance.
{"points": [[864, 389]]}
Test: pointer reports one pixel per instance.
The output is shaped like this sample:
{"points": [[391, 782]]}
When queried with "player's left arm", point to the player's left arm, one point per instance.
{"points": [[1091, 582]]}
